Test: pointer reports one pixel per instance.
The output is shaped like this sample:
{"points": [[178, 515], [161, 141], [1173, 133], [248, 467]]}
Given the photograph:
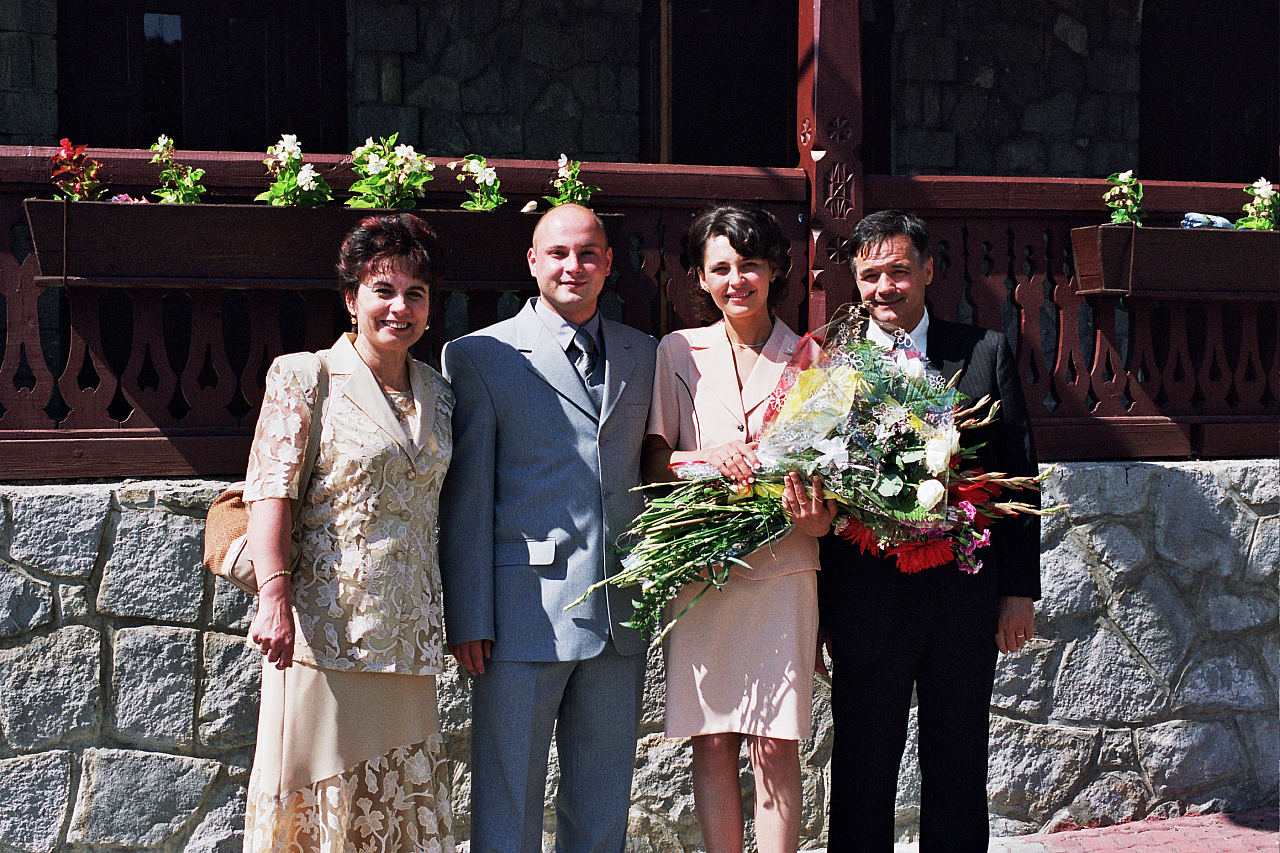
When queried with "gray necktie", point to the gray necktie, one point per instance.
{"points": [[583, 353]]}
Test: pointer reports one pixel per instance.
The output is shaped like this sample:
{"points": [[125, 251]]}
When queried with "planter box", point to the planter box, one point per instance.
{"points": [[1190, 263], [252, 245]]}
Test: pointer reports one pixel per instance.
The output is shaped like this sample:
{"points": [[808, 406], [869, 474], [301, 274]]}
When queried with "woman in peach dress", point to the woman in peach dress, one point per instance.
{"points": [[740, 663]]}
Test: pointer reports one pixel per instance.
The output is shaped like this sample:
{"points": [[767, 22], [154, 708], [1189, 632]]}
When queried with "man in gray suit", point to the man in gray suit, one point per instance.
{"points": [[548, 423]]}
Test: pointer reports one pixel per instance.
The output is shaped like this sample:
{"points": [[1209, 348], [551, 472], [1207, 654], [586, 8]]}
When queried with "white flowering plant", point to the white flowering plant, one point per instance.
{"points": [[391, 175], [179, 184], [486, 195], [296, 183], [569, 189], [1260, 212], [1124, 199]]}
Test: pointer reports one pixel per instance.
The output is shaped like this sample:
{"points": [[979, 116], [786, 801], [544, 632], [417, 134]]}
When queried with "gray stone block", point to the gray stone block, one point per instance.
{"points": [[927, 148], [386, 27], [437, 92], [1034, 768], [1264, 551], [1224, 609], [154, 682], [1257, 485], [1156, 621], [221, 830], [232, 607], [35, 791], [614, 132], [380, 120], [229, 702], [463, 58], [1261, 734], [194, 496], [75, 601], [1195, 521], [1101, 682], [25, 603], [927, 57], [483, 94], [1121, 549], [501, 134], [154, 570], [1024, 678], [1021, 156], [443, 136], [1114, 71], [1226, 680], [1067, 586], [58, 529], [1073, 33], [137, 799], [1117, 749], [1117, 797], [1068, 160], [1184, 757], [49, 688], [1052, 117], [551, 47], [1094, 489]]}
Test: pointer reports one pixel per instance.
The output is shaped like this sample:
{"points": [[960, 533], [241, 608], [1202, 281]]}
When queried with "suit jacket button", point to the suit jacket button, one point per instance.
{"points": [[607, 494]]}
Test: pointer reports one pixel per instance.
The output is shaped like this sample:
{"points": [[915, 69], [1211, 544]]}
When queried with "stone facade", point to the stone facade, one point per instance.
{"points": [[1025, 88], [504, 79], [128, 698], [28, 72]]}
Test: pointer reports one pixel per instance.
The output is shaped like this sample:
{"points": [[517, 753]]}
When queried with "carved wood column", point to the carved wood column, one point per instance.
{"points": [[829, 136]]}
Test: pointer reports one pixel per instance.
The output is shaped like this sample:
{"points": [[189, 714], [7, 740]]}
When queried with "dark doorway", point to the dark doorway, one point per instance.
{"points": [[1210, 91], [211, 74]]}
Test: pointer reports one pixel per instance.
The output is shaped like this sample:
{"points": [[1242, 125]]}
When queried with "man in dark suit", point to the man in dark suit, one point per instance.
{"points": [[936, 631]]}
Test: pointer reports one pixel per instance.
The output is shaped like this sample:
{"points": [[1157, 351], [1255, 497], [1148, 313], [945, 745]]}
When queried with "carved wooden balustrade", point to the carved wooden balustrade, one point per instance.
{"points": [[163, 377]]}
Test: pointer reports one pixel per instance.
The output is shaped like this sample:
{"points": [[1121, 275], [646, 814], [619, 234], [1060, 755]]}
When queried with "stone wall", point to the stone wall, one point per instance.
{"points": [[128, 697], [28, 72], [503, 79], [1032, 87]]}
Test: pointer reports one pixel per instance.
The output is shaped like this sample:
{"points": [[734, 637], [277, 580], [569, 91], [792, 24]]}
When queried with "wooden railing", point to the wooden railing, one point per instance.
{"points": [[163, 377]]}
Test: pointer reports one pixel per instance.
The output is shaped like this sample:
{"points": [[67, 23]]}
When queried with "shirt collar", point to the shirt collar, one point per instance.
{"points": [[919, 335], [563, 331]]}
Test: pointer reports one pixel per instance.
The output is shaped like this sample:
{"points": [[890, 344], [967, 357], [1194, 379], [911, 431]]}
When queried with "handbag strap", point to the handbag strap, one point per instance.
{"points": [[313, 435]]}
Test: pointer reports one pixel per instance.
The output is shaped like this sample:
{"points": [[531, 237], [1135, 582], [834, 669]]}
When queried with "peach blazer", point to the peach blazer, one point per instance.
{"points": [[696, 405]]}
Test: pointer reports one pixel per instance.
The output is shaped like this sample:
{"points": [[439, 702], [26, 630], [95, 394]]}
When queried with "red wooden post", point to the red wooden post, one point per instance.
{"points": [[829, 136]]}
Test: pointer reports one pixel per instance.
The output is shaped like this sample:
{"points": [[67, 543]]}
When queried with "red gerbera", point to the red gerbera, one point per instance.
{"points": [[859, 534], [917, 556]]}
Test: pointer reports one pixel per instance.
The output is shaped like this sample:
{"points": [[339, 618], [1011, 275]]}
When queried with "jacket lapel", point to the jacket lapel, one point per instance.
{"points": [[769, 366], [360, 387], [944, 353], [548, 361], [424, 435], [618, 365], [711, 353]]}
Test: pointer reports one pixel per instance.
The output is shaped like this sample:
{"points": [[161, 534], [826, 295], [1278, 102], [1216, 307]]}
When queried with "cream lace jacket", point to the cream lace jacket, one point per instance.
{"points": [[366, 594]]}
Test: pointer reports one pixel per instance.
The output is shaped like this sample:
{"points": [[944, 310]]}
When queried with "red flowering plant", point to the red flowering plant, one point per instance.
{"points": [[75, 174], [881, 429]]}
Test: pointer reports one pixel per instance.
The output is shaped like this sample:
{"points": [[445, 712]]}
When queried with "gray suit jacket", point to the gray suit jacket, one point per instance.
{"points": [[540, 489]]}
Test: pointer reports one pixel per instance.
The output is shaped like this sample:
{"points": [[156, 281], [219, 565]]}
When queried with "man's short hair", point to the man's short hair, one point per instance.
{"points": [[879, 228]]}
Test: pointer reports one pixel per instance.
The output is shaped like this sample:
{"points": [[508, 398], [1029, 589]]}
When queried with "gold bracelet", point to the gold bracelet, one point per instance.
{"points": [[285, 573]]}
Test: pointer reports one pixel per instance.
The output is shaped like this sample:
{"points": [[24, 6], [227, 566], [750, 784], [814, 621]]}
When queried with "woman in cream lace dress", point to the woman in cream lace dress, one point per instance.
{"points": [[349, 754]]}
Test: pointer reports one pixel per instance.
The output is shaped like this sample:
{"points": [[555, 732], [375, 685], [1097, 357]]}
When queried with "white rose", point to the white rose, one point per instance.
{"points": [[910, 367], [937, 454], [929, 493]]}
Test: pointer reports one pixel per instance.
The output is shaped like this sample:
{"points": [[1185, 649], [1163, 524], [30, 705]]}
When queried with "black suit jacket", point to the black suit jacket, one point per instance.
{"points": [[860, 596]]}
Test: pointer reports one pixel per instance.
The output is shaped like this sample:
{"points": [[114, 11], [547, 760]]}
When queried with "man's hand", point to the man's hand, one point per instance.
{"points": [[472, 655], [1017, 622]]}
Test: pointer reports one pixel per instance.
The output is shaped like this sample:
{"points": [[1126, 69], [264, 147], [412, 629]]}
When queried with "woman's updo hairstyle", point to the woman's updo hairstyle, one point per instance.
{"points": [[753, 232], [384, 241]]}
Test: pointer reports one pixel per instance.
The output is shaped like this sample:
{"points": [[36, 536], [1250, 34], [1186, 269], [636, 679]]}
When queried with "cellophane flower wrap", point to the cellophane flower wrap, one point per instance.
{"points": [[881, 429]]}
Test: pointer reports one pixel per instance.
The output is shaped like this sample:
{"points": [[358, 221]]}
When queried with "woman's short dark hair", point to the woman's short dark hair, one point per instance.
{"points": [[881, 227], [753, 232], [400, 240]]}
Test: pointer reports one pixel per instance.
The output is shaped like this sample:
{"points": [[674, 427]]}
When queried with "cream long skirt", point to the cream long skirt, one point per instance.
{"points": [[348, 761]]}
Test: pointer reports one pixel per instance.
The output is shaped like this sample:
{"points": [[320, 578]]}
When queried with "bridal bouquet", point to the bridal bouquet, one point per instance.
{"points": [[884, 434]]}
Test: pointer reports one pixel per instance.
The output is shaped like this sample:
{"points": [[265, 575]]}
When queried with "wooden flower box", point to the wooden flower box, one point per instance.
{"points": [[1186, 263]]}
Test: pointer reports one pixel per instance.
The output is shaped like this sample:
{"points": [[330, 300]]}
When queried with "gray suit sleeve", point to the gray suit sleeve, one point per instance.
{"points": [[466, 504]]}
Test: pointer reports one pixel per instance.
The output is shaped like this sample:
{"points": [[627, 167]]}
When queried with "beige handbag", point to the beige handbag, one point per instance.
{"points": [[226, 539]]}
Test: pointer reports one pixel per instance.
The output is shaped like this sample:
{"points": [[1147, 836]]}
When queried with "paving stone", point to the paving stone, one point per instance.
{"points": [[154, 682], [229, 702], [49, 688], [59, 529], [137, 799], [35, 791], [25, 603], [155, 569]]}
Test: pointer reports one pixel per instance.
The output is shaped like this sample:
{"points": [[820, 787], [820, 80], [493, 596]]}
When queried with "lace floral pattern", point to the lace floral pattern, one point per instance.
{"points": [[398, 801], [367, 590]]}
